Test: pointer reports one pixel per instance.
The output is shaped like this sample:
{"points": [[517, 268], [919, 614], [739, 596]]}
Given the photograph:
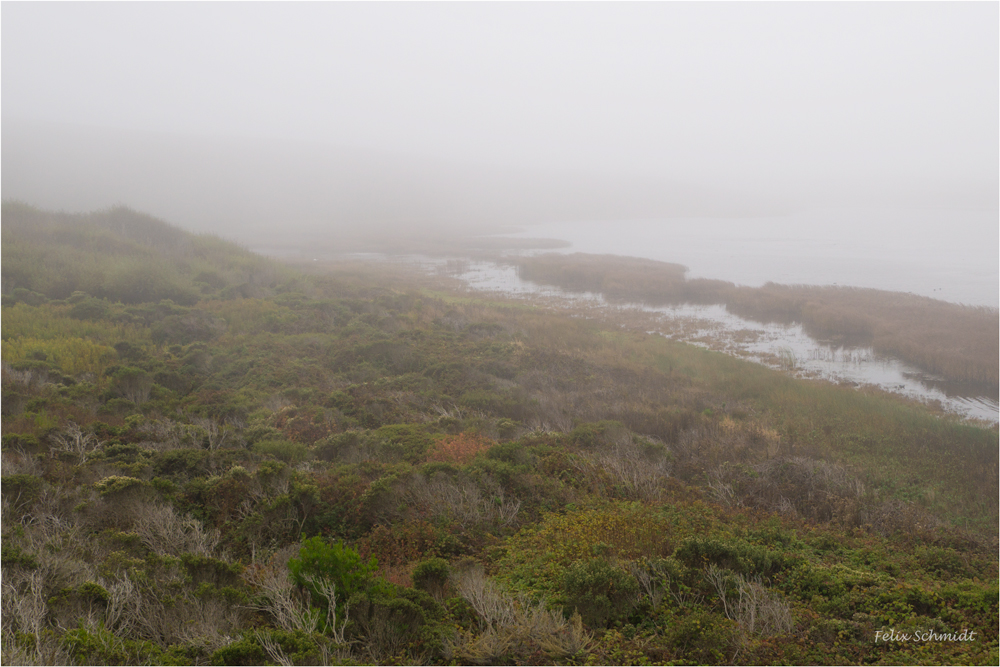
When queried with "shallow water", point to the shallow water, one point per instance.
{"points": [[944, 254], [780, 346]]}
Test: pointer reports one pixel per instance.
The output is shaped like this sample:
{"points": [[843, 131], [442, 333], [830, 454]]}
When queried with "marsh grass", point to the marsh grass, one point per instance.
{"points": [[956, 341]]}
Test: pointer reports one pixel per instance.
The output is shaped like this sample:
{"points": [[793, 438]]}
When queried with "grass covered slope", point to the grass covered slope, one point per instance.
{"points": [[958, 342], [121, 255], [299, 469]]}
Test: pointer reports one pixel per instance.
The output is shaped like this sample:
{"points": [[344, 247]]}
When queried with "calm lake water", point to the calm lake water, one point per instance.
{"points": [[945, 254]]}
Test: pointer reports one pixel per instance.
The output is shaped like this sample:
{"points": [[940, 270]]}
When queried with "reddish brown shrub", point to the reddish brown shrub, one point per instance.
{"points": [[460, 449]]}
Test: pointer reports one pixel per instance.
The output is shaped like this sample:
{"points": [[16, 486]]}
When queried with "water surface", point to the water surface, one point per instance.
{"points": [[945, 254]]}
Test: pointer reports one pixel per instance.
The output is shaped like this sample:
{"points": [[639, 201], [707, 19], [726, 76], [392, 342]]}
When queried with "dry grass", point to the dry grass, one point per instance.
{"points": [[756, 610], [512, 626]]}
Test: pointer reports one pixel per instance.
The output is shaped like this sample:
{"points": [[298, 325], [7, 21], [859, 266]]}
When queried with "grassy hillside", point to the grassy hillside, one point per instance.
{"points": [[124, 256], [279, 468]]}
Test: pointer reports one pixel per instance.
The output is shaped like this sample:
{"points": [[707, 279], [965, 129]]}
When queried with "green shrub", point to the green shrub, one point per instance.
{"points": [[27, 296], [298, 648], [701, 637], [342, 445], [283, 450], [182, 462], [205, 569], [116, 406], [321, 562], [244, 651], [133, 384], [24, 441], [749, 559], [514, 453], [89, 308], [595, 434], [431, 576], [99, 646], [93, 592], [20, 490], [408, 442], [393, 620], [118, 484], [599, 592], [11, 555]]}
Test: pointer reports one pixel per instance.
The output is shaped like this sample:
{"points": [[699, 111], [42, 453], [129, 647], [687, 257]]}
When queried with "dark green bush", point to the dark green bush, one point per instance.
{"points": [[431, 576], [194, 325], [283, 450], [27, 296], [205, 569], [701, 637], [20, 490], [408, 442], [511, 452], [99, 646], [397, 618], [182, 462], [749, 559], [244, 651], [89, 308], [11, 555], [596, 434], [600, 592], [23, 441]]}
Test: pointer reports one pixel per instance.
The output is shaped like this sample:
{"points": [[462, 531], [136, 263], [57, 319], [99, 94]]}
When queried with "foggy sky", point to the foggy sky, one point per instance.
{"points": [[799, 103]]}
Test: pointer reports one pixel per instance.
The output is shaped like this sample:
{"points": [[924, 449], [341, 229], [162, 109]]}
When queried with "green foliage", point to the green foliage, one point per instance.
{"points": [[283, 450], [738, 556], [538, 555], [431, 576], [600, 592], [207, 570], [182, 462], [597, 434], [117, 485], [24, 441], [408, 442], [133, 384], [99, 646], [187, 327], [94, 592], [89, 308], [27, 296], [701, 637], [295, 646], [244, 651], [13, 555], [20, 490], [321, 563]]}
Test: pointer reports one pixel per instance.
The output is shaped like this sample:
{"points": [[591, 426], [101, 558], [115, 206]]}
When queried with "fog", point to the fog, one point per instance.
{"points": [[316, 118]]}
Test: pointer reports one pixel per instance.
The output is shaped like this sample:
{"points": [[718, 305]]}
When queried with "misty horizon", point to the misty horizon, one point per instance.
{"points": [[345, 127], [764, 106]]}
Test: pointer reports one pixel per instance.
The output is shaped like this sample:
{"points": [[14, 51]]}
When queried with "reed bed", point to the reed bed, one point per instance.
{"points": [[955, 341]]}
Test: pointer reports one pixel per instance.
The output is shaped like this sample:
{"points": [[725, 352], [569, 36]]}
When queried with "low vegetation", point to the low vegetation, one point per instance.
{"points": [[340, 468], [958, 342]]}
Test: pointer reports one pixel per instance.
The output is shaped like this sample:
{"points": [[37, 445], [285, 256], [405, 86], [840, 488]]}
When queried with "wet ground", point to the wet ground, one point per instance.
{"points": [[780, 346]]}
